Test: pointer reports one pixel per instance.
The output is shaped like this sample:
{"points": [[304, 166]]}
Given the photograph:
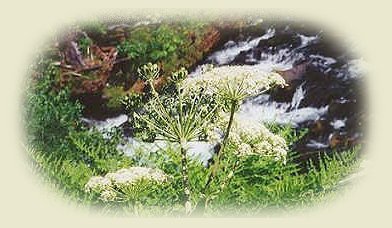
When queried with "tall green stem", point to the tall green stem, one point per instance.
{"points": [[185, 181], [226, 137], [184, 162], [153, 91], [215, 167]]}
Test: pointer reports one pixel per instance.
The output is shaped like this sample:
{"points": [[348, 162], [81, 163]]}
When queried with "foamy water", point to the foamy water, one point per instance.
{"points": [[232, 49], [260, 108], [106, 125]]}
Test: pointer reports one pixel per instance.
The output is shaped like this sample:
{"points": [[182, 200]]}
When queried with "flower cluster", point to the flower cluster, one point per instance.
{"points": [[179, 75], [148, 72], [250, 138], [96, 183], [245, 80], [134, 174], [257, 139], [109, 185]]}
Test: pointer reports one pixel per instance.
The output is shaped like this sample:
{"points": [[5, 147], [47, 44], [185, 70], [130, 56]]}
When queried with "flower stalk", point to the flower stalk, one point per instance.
{"points": [[185, 181], [215, 167], [182, 126]]}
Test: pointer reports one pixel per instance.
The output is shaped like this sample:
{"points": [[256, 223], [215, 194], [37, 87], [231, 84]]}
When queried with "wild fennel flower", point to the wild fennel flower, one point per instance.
{"points": [[132, 175], [148, 72], [111, 184], [97, 183], [214, 135], [233, 82], [244, 148], [263, 146], [179, 76], [108, 195], [182, 125], [253, 138]]}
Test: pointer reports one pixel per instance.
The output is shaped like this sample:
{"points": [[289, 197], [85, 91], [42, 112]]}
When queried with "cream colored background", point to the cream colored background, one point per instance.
{"points": [[24, 26]]}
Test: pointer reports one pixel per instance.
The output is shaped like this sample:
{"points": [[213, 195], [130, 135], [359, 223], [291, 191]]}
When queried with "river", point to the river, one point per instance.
{"points": [[325, 92]]}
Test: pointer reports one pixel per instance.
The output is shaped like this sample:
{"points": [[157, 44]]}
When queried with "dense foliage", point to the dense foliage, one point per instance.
{"points": [[172, 46], [59, 144], [166, 44], [87, 166]]}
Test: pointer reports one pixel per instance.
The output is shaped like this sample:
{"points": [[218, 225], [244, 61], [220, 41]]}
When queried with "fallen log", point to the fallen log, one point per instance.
{"points": [[89, 68]]}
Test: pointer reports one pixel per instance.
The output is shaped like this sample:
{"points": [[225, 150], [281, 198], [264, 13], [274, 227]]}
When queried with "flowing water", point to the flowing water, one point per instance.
{"points": [[325, 84], [324, 93]]}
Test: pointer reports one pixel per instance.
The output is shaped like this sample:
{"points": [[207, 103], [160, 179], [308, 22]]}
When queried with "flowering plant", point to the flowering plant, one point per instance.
{"points": [[185, 118], [148, 72], [249, 137], [181, 125], [114, 185], [233, 82]]}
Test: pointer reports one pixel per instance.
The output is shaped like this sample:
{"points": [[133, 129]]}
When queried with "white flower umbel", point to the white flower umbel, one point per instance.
{"points": [[111, 184], [108, 195], [232, 84], [253, 138], [97, 183], [134, 174], [244, 148], [182, 126], [244, 80]]}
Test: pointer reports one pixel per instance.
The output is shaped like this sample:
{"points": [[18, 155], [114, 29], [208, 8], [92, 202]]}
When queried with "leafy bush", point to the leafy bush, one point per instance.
{"points": [[50, 114], [64, 149], [99, 153], [152, 45], [168, 45]]}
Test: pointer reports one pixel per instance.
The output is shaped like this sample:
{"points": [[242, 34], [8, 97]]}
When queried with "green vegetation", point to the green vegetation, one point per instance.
{"points": [[166, 44], [152, 45], [171, 46], [50, 114], [60, 146], [255, 169], [116, 95]]}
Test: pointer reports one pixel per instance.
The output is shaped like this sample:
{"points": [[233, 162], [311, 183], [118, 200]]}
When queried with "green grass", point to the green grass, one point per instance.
{"points": [[260, 185]]}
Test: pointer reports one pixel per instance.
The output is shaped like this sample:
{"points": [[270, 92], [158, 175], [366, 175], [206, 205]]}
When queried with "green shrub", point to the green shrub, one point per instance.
{"points": [[166, 44], [65, 151], [99, 153], [152, 44], [50, 114]]}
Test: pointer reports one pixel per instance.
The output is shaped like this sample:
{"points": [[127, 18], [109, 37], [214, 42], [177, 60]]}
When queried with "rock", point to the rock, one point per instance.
{"points": [[295, 73], [325, 47], [284, 94], [320, 126], [341, 108], [285, 39], [339, 139], [95, 106], [242, 58]]}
